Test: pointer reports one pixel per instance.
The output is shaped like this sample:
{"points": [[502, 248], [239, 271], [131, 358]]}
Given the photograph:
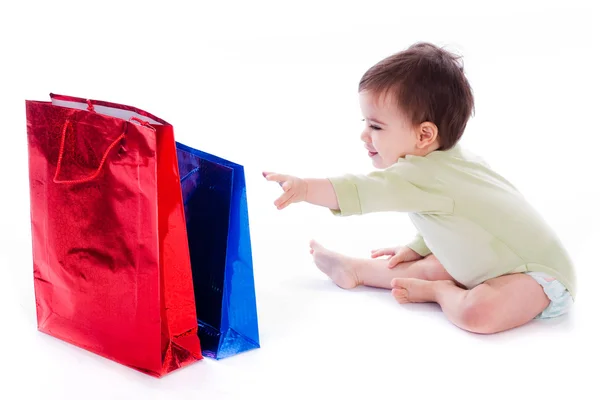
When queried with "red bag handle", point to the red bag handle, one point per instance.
{"points": [[62, 150], [143, 123]]}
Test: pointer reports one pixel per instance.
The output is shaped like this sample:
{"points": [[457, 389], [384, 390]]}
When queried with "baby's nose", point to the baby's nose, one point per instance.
{"points": [[365, 137]]}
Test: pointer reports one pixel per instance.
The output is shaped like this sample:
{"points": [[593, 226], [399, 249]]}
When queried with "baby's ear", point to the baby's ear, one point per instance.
{"points": [[427, 134]]}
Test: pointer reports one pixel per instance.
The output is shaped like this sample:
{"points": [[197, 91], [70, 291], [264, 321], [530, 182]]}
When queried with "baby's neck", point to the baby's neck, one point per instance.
{"points": [[423, 152]]}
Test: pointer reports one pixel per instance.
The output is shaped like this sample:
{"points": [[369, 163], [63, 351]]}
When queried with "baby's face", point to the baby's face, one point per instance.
{"points": [[388, 134]]}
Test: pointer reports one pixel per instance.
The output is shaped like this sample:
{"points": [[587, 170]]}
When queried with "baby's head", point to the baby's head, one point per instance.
{"points": [[414, 102]]}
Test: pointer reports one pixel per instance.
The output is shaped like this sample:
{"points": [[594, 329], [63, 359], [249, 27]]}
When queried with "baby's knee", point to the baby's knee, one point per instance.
{"points": [[477, 311]]}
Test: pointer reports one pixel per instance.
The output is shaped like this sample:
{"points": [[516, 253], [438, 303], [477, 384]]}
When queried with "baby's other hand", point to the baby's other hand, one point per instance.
{"points": [[398, 255], [294, 189]]}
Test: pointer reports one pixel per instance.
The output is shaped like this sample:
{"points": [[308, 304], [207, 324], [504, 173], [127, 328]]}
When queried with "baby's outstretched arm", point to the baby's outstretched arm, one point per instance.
{"points": [[319, 192]]}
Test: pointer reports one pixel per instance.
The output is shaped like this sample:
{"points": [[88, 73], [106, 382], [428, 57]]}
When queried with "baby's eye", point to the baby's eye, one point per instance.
{"points": [[377, 128]]}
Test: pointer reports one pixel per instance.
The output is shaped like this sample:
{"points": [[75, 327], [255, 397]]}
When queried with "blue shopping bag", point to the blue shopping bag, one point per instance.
{"points": [[216, 212]]}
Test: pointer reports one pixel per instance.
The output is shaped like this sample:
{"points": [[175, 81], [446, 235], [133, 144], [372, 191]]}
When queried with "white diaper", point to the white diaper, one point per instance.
{"points": [[560, 298]]}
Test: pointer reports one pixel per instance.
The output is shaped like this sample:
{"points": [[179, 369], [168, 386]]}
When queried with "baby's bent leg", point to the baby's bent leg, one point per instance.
{"points": [[348, 272], [496, 305]]}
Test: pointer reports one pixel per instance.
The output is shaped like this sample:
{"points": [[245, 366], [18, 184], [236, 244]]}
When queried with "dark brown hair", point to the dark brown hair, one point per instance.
{"points": [[429, 84]]}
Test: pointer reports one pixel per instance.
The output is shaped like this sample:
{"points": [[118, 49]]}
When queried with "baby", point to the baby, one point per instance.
{"points": [[482, 252]]}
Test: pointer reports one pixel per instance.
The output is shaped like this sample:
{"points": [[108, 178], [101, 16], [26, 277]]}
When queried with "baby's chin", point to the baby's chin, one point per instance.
{"points": [[379, 163]]}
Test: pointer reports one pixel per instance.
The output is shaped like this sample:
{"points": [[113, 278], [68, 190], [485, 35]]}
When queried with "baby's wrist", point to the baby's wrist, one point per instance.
{"points": [[305, 184]]}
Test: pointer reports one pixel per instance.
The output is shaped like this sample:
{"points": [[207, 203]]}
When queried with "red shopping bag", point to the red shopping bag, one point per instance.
{"points": [[111, 261]]}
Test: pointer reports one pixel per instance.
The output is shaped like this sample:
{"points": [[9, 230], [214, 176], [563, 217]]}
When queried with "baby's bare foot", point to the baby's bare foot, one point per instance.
{"points": [[410, 290], [339, 268]]}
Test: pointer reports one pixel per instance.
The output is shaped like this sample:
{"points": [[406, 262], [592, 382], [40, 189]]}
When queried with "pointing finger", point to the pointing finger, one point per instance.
{"points": [[276, 177]]}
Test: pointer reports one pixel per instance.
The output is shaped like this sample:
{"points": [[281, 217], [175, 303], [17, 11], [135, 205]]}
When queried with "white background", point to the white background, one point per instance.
{"points": [[272, 85]]}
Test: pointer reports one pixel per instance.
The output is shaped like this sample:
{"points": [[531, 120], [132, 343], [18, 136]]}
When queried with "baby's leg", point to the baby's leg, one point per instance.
{"points": [[348, 272], [496, 305]]}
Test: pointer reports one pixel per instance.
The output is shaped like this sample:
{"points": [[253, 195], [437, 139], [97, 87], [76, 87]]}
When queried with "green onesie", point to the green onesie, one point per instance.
{"points": [[475, 222]]}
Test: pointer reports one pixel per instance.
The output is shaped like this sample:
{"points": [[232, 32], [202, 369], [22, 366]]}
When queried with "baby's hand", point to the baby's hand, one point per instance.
{"points": [[398, 255], [294, 189]]}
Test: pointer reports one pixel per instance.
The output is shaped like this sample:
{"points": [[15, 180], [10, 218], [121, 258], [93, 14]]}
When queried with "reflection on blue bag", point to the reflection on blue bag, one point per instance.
{"points": [[216, 211]]}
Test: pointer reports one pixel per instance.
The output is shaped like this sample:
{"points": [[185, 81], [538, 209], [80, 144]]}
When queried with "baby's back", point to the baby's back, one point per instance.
{"points": [[493, 230]]}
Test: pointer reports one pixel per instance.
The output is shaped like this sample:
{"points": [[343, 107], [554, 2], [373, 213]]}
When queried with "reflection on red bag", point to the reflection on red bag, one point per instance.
{"points": [[111, 260]]}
